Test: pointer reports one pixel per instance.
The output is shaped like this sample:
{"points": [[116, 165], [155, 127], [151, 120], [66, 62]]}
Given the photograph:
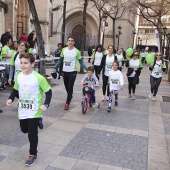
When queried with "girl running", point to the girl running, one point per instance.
{"points": [[15, 61], [106, 66], [156, 74], [116, 83], [134, 65], [97, 58], [120, 58]]}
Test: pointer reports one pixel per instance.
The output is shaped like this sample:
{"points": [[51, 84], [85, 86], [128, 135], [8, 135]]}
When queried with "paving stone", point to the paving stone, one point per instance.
{"points": [[2, 157], [166, 122], [112, 148], [53, 168], [165, 107], [118, 118]]}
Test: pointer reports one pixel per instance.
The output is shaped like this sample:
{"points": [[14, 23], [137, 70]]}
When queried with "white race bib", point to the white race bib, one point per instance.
{"points": [[26, 104]]}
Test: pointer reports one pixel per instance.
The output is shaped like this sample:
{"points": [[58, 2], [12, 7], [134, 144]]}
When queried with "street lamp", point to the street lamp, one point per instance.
{"points": [[64, 23], [138, 40], [133, 34], [104, 18], [118, 36], [164, 33]]}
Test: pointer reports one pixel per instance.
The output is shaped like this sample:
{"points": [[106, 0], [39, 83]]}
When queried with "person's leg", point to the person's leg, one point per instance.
{"points": [[96, 71], [33, 135], [108, 88], [71, 80], [89, 59], [152, 83], [129, 85], [105, 82], [1, 111], [158, 81], [65, 79], [110, 101], [116, 97], [93, 99], [24, 125]]}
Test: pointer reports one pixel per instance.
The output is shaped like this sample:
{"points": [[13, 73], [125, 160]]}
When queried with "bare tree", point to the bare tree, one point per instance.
{"points": [[113, 9], [153, 13], [38, 31], [99, 4]]}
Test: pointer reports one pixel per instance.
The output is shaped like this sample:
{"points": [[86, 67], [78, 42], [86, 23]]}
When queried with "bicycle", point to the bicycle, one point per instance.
{"points": [[86, 99]]}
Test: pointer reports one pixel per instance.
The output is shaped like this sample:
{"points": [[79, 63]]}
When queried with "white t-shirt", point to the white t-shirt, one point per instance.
{"points": [[157, 70], [109, 63], [98, 58], [17, 67], [134, 64], [30, 88], [142, 54], [70, 59], [115, 79], [120, 59]]}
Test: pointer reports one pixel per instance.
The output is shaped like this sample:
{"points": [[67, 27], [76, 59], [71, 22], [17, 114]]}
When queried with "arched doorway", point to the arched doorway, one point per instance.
{"points": [[78, 34]]}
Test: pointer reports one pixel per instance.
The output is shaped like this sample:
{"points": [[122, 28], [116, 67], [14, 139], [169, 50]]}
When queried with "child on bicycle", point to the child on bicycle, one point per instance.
{"points": [[116, 83], [90, 80]]}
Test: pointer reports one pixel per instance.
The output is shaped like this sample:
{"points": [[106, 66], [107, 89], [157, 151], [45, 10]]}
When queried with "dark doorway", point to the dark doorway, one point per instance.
{"points": [[78, 35]]}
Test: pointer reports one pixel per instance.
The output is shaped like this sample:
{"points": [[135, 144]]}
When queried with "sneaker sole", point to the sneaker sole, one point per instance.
{"points": [[31, 164]]}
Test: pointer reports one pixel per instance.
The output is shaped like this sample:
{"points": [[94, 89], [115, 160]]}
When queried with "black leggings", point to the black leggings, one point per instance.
{"points": [[105, 84], [69, 79], [155, 82], [30, 126], [131, 85], [96, 69]]}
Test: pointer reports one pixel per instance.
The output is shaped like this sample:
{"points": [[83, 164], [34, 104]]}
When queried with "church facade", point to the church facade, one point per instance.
{"points": [[18, 19]]}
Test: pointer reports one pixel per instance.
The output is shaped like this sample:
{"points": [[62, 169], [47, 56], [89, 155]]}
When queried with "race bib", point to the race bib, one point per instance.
{"points": [[109, 67], [115, 81], [26, 104], [68, 64]]}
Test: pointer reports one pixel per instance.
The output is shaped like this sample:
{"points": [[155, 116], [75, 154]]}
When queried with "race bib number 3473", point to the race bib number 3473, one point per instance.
{"points": [[26, 104]]}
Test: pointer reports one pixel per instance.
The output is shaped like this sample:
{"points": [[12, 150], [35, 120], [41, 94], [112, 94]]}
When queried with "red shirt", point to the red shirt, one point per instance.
{"points": [[24, 38]]}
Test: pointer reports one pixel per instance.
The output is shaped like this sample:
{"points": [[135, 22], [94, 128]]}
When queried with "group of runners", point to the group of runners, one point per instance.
{"points": [[30, 85]]}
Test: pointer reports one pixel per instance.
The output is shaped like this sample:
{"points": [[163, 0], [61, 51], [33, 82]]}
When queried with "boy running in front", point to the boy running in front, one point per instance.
{"points": [[90, 79], [116, 83], [30, 86]]}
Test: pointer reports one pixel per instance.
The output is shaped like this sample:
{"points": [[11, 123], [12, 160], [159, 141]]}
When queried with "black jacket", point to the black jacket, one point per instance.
{"points": [[103, 64], [130, 71]]}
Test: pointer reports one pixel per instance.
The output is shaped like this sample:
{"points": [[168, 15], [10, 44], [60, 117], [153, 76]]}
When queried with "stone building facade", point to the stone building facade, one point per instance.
{"points": [[18, 19]]}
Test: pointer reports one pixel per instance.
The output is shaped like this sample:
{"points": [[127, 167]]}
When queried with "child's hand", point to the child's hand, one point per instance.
{"points": [[43, 108], [121, 87], [8, 102]]}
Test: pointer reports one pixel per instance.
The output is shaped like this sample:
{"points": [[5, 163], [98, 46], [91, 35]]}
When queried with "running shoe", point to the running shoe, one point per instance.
{"points": [[109, 109], [66, 106], [150, 95], [31, 160], [107, 98], [153, 98], [129, 96], [133, 97], [95, 105]]}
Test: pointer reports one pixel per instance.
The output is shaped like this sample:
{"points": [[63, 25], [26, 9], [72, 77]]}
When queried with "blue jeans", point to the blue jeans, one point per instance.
{"points": [[93, 98]]}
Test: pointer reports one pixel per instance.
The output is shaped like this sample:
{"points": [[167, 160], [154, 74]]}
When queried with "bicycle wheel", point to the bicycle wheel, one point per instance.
{"points": [[84, 106]]}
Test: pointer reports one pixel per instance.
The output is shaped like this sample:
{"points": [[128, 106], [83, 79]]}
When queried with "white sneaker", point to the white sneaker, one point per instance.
{"points": [[107, 98], [95, 105], [129, 96], [153, 98], [133, 97], [150, 95]]}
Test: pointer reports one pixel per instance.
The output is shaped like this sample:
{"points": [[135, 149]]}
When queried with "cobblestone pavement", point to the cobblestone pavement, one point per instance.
{"points": [[135, 135]]}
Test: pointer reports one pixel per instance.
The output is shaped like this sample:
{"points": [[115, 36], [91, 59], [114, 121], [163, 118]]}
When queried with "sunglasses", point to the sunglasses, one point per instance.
{"points": [[135, 54], [159, 55]]}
